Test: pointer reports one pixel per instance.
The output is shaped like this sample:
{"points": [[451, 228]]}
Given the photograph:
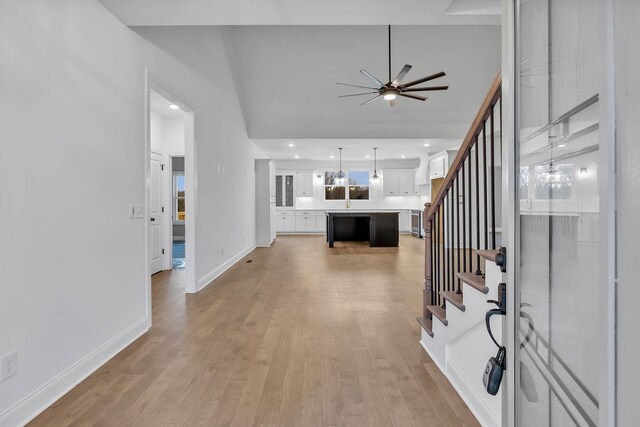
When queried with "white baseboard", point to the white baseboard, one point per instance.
{"points": [[469, 395], [32, 405], [213, 274]]}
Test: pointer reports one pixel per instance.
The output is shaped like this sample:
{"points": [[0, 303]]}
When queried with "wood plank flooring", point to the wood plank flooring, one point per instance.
{"points": [[302, 336]]}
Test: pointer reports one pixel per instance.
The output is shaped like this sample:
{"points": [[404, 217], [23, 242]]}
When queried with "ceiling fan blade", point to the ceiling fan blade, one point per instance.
{"points": [[424, 79], [421, 89], [368, 74], [361, 87], [357, 94], [401, 75], [419, 98], [372, 99]]}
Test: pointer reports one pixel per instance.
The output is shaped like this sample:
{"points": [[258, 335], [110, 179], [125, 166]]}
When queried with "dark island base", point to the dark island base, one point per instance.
{"points": [[380, 229]]}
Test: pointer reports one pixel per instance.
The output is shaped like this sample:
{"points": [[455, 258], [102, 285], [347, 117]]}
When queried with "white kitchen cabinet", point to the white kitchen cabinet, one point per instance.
{"points": [[390, 183], [304, 184], [439, 163], [405, 221], [284, 189], [321, 222], [266, 221], [398, 183], [405, 183]]}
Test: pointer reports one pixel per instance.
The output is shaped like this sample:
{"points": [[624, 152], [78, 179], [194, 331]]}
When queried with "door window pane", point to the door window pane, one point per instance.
{"points": [[557, 273]]}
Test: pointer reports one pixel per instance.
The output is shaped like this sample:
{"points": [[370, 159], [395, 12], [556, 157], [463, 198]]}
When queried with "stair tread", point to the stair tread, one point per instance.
{"points": [[454, 298], [473, 280], [426, 324], [439, 312], [489, 255]]}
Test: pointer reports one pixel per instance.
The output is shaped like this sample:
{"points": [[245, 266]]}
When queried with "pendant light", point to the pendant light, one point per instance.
{"points": [[340, 176], [375, 179]]}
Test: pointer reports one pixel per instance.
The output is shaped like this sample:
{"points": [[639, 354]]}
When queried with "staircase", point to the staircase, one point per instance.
{"points": [[462, 253]]}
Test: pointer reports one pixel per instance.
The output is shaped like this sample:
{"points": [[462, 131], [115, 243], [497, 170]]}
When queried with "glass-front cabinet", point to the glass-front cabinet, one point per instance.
{"points": [[284, 190]]}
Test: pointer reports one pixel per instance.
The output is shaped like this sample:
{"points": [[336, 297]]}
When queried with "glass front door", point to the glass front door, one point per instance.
{"points": [[557, 362]]}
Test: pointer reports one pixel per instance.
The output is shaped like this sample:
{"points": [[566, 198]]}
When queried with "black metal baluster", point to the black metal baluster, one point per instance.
{"points": [[436, 248], [451, 225], [493, 182], [445, 252], [470, 201], [440, 254], [477, 144], [484, 181], [458, 290], [464, 220], [433, 258]]}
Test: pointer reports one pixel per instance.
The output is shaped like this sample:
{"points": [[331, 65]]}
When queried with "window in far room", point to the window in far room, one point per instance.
{"points": [[359, 185], [178, 197], [333, 191]]}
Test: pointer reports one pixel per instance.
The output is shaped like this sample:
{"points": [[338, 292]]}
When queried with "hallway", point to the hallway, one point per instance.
{"points": [[301, 336]]}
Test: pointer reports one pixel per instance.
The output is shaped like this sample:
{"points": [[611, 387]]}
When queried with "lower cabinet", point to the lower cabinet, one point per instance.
{"points": [[311, 221]]}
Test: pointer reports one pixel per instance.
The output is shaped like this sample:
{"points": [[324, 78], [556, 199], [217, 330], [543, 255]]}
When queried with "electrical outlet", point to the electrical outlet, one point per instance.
{"points": [[9, 365]]}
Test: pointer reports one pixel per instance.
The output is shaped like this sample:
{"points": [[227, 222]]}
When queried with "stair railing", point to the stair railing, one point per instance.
{"points": [[461, 219]]}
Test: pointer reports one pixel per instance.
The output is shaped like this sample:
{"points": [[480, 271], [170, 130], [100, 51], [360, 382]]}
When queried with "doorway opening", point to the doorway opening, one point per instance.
{"points": [[170, 177]]}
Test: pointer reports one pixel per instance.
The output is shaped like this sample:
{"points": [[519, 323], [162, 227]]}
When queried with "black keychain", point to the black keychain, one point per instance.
{"points": [[496, 365]]}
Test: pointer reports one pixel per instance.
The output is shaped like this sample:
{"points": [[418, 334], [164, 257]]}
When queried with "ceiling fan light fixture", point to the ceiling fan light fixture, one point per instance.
{"points": [[389, 96]]}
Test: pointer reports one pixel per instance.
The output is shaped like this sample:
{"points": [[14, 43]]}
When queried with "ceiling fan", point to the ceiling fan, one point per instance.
{"points": [[392, 89]]}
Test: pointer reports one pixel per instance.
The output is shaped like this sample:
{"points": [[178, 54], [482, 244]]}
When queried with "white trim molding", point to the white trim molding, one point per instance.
{"points": [[35, 403], [206, 280]]}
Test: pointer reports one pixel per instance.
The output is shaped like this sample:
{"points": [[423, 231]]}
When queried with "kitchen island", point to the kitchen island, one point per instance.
{"points": [[379, 228]]}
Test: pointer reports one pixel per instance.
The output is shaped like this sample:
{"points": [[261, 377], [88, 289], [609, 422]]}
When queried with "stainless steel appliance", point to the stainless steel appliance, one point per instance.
{"points": [[416, 223]]}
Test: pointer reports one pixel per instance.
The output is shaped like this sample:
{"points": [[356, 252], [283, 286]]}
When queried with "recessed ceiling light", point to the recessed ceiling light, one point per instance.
{"points": [[332, 156], [368, 156], [174, 107], [403, 156], [562, 145], [296, 156], [291, 144], [426, 144]]}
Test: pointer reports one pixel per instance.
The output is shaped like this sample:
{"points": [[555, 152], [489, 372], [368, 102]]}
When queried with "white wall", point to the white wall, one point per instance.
{"points": [[167, 134], [72, 132]]}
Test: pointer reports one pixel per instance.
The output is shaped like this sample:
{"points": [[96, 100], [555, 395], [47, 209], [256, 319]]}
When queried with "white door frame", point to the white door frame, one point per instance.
{"points": [[153, 82]]}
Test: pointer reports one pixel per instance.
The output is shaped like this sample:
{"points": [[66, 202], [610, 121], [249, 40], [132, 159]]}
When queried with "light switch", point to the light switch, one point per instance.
{"points": [[132, 211], [140, 211]]}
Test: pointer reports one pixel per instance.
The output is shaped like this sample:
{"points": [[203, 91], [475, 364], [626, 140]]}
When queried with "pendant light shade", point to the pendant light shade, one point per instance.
{"points": [[375, 179], [340, 178]]}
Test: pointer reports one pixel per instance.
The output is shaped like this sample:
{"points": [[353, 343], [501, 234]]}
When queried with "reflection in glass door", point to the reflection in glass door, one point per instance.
{"points": [[558, 152]]}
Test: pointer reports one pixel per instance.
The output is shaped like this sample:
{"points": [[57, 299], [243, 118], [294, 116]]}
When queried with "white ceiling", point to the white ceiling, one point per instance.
{"points": [[285, 78], [160, 105], [285, 75], [305, 12]]}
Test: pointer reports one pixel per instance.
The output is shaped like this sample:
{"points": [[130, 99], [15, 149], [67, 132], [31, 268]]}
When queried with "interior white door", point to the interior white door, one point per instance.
{"points": [[156, 214]]}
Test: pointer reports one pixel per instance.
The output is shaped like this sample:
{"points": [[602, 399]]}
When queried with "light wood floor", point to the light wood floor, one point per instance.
{"points": [[301, 336]]}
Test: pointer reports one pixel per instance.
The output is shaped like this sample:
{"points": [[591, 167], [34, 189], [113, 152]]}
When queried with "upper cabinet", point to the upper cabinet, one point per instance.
{"points": [[398, 183], [284, 189], [439, 163], [304, 184]]}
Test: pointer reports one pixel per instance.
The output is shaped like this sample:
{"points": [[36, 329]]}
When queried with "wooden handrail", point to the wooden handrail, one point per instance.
{"points": [[467, 144]]}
